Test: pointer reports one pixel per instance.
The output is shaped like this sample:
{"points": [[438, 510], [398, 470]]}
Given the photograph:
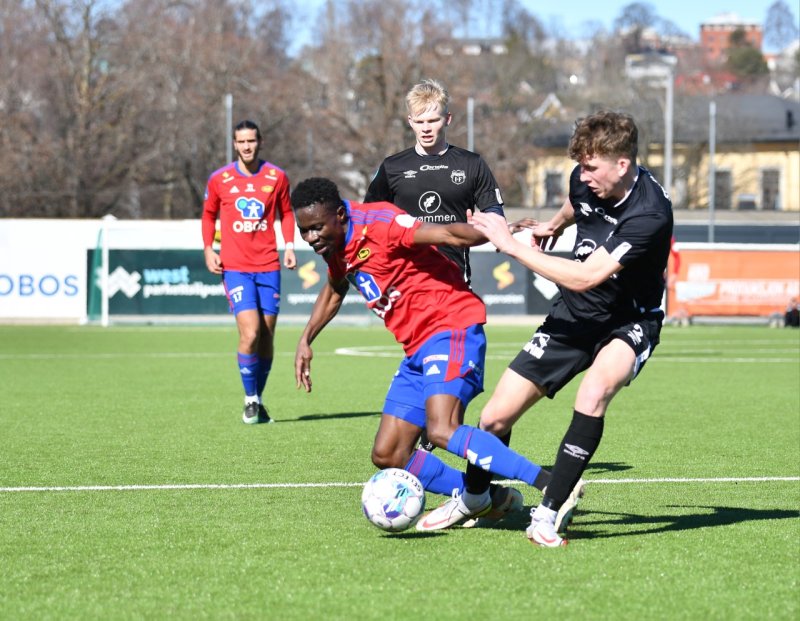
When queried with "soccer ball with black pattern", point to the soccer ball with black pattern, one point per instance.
{"points": [[393, 499]]}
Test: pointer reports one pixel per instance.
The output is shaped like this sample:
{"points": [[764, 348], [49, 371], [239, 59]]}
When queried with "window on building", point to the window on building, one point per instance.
{"points": [[770, 188], [722, 189], [553, 190]]}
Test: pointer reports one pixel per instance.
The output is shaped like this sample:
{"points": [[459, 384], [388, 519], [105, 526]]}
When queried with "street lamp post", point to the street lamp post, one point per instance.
{"points": [[712, 170], [668, 132], [228, 127]]}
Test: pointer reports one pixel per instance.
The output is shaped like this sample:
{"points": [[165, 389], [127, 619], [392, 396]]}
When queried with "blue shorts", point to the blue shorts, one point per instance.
{"points": [[449, 363], [253, 290]]}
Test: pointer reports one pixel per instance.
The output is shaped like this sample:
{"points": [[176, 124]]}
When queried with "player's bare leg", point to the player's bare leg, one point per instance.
{"points": [[394, 442], [512, 397]]}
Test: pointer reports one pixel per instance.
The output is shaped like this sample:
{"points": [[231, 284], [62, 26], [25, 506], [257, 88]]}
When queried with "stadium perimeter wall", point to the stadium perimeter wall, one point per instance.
{"points": [[50, 271]]}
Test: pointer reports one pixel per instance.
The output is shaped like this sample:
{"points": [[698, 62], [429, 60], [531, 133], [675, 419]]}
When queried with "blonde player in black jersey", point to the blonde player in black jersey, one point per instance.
{"points": [[437, 182]]}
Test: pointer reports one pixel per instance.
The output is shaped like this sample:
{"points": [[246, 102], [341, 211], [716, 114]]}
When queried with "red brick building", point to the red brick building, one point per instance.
{"points": [[715, 35]]}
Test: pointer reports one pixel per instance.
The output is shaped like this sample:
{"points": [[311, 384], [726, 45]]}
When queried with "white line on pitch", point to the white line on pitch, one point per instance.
{"points": [[189, 486]]}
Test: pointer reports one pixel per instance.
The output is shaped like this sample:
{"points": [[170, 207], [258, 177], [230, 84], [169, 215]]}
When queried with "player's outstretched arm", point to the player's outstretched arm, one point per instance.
{"points": [[327, 305], [453, 234], [545, 234], [565, 272]]}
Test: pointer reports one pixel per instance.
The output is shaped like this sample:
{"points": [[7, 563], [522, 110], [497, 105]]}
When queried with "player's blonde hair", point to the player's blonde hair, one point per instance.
{"points": [[426, 93], [604, 134]]}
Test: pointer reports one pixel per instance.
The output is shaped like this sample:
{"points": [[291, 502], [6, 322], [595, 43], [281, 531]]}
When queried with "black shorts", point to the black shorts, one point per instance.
{"points": [[564, 346]]}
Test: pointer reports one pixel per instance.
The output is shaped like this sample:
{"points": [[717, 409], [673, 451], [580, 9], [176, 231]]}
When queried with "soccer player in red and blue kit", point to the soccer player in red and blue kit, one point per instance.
{"points": [[388, 256], [249, 196]]}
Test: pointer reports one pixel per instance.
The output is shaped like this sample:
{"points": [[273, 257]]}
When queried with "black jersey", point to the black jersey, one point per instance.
{"points": [[437, 188], [637, 233]]}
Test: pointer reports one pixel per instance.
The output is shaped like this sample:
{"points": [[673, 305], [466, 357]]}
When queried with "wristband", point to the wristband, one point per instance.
{"points": [[289, 246]]}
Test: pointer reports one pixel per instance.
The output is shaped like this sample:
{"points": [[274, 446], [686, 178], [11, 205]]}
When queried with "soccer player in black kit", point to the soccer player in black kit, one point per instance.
{"points": [[435, 181], [608, 317]]}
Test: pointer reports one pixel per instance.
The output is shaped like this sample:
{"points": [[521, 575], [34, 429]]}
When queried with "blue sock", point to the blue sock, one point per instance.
{"points": [[486, 451], [264, 366], [248, 369], [435, 475]]}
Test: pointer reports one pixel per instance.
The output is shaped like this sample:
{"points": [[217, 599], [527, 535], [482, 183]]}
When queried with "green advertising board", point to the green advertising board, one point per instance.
{"points": [[176, 282]]}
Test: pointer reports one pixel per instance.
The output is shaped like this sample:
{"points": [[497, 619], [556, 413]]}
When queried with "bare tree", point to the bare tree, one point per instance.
{"points": [[632, 21], [780, 25]]}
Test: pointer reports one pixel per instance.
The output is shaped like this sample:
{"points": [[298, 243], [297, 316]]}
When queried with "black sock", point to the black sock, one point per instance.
{"points": [[424, 443], [579, 444], [477, 479]]}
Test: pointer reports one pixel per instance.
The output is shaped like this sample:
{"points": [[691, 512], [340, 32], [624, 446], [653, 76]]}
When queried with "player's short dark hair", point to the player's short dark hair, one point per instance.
{"points": [[246, 125], [604, 134], [316, 190]]}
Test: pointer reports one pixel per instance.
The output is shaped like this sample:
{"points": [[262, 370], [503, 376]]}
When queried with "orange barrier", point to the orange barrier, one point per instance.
{"points": [[732, 280]]}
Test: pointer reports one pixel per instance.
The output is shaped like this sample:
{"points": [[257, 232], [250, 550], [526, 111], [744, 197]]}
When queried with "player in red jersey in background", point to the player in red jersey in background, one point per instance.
{"points": [[387, 255], [249, 196]]}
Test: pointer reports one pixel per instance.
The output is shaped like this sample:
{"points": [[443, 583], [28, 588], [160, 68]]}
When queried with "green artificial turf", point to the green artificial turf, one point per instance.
{"points": [[167, 506]]}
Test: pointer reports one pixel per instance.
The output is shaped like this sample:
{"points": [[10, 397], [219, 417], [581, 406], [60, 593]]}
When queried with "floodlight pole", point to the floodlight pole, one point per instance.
{"points": [[228, 99], [712, 172], [470, 123], [104, 275], [668, 108]]}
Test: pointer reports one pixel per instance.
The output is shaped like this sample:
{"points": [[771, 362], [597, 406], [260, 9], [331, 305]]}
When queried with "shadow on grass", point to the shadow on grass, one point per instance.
{"points": [[718, 516], [415, 534], [334, 416], [601, 467], [585, 523]]}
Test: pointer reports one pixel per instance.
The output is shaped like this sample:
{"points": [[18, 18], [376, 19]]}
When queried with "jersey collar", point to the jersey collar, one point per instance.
{"points": [[349, 235], [630, 189], [246, 173]]}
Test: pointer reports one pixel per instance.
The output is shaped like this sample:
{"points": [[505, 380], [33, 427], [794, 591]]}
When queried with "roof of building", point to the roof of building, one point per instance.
{"points": [[740, 118], [729, 19]]}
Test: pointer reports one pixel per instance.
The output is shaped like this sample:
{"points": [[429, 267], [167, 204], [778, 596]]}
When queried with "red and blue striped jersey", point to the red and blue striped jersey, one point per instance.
{"points": [[415, 289]]}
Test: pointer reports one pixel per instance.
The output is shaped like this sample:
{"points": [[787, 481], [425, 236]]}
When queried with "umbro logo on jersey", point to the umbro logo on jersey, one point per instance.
{"points": [[434, 370], [575, 451], [410, 174], [585, 209]]}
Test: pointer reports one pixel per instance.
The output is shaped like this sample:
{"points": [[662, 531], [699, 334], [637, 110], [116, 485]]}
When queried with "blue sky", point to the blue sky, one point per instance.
{"points": [[686, 14]]}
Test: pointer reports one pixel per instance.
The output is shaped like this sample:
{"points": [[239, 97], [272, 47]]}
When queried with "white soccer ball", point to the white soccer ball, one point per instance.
{"points": [[393, 499]]}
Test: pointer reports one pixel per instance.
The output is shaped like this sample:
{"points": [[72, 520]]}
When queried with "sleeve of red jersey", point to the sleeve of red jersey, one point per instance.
{"points": [[210, 211], [401, 230], [285, 212]]}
